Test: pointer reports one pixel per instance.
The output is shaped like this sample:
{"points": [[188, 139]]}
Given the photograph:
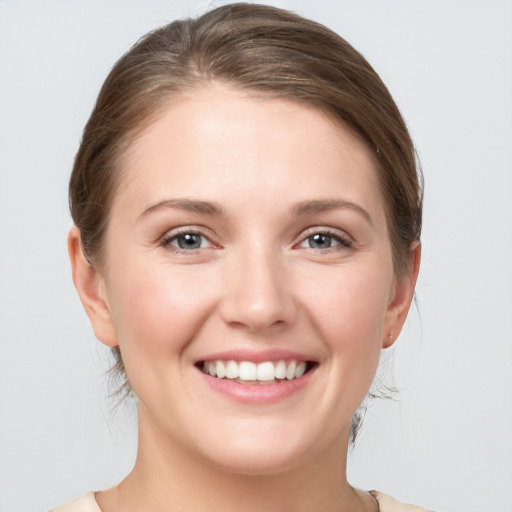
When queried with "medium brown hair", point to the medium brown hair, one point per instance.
{"points": [[265, 51]]}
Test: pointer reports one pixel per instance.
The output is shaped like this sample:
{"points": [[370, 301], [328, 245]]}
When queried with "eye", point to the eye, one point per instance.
{"points": [[186, 241], [325, 240]]}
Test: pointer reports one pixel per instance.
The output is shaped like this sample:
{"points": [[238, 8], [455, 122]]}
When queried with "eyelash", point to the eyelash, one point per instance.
{"points": [[169, 238], [342, 241]]}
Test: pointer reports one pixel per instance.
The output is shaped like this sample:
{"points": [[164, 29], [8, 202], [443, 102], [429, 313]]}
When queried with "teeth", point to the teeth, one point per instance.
{"points": [[280, 370], [250, 372], [247, 371], [232, 370], [290, 371], [299, 371], [220, 369], [265, 371]]}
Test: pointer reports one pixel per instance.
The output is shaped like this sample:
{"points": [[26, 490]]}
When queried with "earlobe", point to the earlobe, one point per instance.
{"points": [[401, 298], [90, 286]]}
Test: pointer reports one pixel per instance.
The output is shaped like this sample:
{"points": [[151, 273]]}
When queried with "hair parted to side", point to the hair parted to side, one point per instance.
{"points": [[267, 52]]}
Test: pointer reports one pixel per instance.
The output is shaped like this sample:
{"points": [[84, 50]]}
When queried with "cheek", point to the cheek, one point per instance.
{"points": [[159, 309], [157, 312], [349, 312], [350, 301]]}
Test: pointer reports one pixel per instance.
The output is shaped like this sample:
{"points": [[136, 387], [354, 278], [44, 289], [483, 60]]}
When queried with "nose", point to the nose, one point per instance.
{"points": [[258, 296]]}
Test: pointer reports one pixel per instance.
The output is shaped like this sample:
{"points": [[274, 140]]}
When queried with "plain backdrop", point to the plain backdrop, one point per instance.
{"points": [[446, 442]]}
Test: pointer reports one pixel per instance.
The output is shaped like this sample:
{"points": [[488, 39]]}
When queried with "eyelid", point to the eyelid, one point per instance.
{"points": [[344, 239], [172, 234]]}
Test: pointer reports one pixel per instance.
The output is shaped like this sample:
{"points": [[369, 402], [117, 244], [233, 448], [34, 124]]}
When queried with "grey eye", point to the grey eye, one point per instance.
{"points": [[189, 241], [321, 241]]}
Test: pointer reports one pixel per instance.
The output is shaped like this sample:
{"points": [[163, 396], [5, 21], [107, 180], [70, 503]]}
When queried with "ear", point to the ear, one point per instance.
{"points": [[90, 286], [401, 297]]}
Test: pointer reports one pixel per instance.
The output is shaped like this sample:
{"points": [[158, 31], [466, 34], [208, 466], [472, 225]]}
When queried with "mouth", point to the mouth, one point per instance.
{"points": [[252, 373]]}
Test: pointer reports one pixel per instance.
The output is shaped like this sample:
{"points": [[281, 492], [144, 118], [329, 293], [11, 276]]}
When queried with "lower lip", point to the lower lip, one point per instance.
{"points": [[257, 393]]}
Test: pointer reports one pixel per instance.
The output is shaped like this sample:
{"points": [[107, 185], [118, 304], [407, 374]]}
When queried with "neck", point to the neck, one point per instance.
{"points": [[167, 478]]}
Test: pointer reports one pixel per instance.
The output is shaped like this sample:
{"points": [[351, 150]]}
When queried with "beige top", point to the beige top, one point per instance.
{"points": [[87, 503]]}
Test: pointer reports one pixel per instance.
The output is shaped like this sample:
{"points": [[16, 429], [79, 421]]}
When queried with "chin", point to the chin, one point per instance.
{"points": [[257, 461], [264, 449]]}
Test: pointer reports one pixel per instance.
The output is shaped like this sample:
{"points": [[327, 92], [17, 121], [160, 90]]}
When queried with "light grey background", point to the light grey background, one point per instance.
{"points": [[447, 442]]}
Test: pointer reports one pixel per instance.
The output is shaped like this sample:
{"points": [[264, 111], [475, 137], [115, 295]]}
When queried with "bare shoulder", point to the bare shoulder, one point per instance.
{"points": [[389, 504], [85, 503]]}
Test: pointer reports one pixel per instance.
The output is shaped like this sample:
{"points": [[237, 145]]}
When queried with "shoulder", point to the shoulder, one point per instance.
{"points": [[86, 503], [389, 504]]}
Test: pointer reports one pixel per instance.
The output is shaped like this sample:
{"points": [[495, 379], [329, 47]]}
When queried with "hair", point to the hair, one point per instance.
{"points": [[264, 51]]}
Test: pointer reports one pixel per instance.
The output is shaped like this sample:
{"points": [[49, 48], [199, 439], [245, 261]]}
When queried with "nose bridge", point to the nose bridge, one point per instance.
{"points": [[258, 293]]}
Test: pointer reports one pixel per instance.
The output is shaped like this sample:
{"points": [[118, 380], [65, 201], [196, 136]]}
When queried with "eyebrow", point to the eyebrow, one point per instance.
{"points": [[216, 210], [188, 205], [326, 205]]}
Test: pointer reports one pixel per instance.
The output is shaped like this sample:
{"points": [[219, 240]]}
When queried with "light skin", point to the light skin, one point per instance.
{"points": [[251, 225]]}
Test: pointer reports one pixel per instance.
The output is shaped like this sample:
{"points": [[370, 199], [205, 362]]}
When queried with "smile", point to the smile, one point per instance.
{"points": [[248, 372]]}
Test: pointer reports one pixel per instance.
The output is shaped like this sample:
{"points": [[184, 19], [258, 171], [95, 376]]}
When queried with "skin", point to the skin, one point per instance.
{"points": [[255, 283]]}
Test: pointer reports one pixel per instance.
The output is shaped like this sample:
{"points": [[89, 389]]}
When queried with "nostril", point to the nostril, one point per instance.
{"points": [[259, 301]]}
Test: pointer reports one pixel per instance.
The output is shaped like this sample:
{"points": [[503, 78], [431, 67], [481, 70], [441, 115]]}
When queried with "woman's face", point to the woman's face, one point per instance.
{"points": [[248, 237]]}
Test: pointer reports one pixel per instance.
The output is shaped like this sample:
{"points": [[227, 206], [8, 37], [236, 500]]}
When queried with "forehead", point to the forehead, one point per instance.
{"points": [[219, 140]]}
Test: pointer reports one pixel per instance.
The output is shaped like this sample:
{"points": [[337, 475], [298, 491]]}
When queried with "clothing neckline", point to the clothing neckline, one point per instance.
{"points": [[89, 499]]}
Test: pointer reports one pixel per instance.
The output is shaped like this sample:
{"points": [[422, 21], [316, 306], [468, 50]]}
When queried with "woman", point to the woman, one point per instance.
{"points": [[247, 239]]}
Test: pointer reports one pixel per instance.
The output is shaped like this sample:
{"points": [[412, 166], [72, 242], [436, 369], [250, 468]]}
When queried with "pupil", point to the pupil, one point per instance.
{"points": [[320, 241], [189, 241]]}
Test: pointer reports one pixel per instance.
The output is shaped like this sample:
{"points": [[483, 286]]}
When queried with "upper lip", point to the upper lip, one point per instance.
{"points": [[257, 356]]}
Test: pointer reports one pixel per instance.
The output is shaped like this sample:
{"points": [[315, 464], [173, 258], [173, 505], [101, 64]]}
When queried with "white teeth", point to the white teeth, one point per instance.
{"points": [[280, 370], [220, 369], [251, 372], [247, 371], [290, 371], [265, 371], [299, 371], [231, 370]]}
